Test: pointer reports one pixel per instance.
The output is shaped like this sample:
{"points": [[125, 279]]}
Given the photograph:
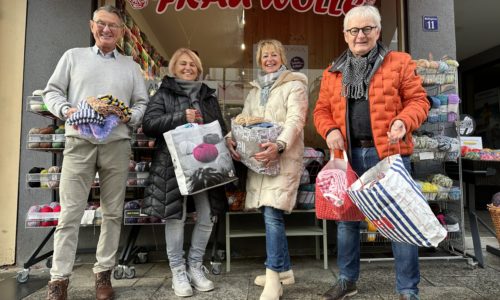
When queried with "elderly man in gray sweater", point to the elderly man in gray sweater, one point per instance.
{"points": [[82, 73]]}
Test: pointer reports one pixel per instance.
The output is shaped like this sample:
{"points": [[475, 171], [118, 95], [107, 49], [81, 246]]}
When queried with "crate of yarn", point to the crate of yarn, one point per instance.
{"points": [[132, 215], [43, 215], [494, 209]]}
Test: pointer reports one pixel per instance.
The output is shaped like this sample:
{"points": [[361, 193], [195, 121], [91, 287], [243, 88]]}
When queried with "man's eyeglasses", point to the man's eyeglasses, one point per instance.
{"points": [[101, 25], [366, 30]]}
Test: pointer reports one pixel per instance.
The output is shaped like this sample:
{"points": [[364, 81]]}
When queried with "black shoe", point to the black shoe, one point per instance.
{"points": [[341, 290]]}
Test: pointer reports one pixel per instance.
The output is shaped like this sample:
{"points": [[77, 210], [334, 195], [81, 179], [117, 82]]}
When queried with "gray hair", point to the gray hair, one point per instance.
{"points": [[110, 9], [366, 11]]}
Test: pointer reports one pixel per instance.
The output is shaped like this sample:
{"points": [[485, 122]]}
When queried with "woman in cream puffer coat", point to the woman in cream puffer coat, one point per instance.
{"points": [[278, 96]]}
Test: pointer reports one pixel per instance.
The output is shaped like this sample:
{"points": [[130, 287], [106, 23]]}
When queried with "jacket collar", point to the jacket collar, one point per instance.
{"points": [[338, 64], [285, 77]]}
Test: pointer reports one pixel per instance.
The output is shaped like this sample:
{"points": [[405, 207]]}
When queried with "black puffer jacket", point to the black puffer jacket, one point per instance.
{"points": [[167, 110]]}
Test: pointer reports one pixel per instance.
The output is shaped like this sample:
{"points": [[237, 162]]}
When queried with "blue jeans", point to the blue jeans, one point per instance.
{"points": [[278, 258], [348, 237]]}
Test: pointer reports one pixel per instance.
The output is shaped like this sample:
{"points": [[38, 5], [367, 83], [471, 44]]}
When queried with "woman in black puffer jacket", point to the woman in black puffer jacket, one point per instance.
{"points": [[182, 99]]}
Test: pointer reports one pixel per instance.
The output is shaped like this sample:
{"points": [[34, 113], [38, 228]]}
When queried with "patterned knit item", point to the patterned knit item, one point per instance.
{"points": [[85, 115], [107, 105], [355, 73]]}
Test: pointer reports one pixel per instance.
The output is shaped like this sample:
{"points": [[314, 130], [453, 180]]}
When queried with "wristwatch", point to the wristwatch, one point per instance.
{"points": [[281, 147]]}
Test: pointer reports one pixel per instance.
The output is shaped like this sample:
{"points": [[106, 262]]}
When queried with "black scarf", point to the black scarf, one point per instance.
{"points": [[355, 74]]}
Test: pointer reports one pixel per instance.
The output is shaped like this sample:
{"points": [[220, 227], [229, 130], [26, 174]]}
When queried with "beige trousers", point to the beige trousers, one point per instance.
{"points": [[81, 162]]}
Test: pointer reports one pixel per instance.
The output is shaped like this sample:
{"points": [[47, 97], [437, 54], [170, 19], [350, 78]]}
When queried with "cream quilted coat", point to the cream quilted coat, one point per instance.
{"points": [[287, 105]]}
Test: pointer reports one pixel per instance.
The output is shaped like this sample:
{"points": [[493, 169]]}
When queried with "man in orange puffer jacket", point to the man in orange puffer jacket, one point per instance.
{"points": [[370, 101]]}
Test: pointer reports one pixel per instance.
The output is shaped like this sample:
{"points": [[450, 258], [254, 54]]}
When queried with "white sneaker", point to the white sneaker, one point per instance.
{"points": [[180, 282], [196, 274]]}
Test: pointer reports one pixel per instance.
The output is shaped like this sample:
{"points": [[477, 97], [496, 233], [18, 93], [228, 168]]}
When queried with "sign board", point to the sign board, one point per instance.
{"points": [[473, 142], [334, 8], [430, 23]]}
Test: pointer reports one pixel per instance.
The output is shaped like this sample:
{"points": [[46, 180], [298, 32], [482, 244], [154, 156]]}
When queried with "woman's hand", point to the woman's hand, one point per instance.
{"points": [[231, 145], [397, 132], [335, 140], [269, 154], [190, 115]]}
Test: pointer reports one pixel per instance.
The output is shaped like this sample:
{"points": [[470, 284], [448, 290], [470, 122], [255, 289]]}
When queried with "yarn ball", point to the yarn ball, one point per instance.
{"points": [[132, 205], [495, 200], [131, 166], [205, 152], [211, 138], [46, 221], [33, 209]]}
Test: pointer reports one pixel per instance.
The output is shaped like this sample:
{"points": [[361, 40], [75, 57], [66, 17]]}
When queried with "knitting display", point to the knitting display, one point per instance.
{"points": [[437, 72], [97, 116], [439, 147]]}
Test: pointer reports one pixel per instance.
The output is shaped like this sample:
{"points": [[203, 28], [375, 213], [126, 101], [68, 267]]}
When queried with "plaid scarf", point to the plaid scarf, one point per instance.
{"points": [[266, 81], [356, 72]]}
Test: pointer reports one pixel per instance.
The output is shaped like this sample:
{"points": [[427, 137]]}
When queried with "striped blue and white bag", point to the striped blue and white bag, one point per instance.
{"points": [[390, 198]]}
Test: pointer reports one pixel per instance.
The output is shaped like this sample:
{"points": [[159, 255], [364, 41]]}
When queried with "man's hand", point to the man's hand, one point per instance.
{"points": [[397, 132], [126, 120], [335, 140], [70, 112]]}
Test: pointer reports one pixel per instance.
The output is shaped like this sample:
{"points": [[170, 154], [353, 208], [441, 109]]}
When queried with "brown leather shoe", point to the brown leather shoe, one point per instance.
{"points": [[103, 288], [58, 290]]}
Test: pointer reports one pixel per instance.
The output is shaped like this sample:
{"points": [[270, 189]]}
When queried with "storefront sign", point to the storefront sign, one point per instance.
{"points": [[430, 23], [321, 7]]}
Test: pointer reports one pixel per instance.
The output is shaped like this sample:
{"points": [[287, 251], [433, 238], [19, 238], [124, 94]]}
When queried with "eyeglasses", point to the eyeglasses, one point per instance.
{"points": [[101, 25], [366, 30]]}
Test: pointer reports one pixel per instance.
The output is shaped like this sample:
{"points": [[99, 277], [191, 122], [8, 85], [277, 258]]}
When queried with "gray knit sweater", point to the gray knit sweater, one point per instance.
{"points": [[85, 72]]}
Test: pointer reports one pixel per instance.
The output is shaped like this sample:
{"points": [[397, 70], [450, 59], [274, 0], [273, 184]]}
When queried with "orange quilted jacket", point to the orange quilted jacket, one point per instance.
{"points": [[395, 92]]}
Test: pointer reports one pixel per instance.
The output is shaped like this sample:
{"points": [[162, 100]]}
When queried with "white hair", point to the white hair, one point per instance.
{"points": [[366, 11]]}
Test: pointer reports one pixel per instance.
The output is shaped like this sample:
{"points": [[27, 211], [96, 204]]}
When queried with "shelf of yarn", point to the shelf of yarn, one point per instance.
{"points": [[140, 141], [47, 215], [437, 72], [45, 142], [48, 179], [35, 104], [132, 215], [440, 148], [135, 43]]}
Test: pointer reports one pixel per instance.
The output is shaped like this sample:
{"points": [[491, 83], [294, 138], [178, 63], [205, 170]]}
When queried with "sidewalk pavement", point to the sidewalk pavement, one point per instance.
{"points": [[440, 279]]}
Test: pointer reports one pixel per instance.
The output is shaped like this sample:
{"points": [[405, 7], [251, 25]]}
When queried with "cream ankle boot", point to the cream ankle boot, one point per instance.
{"points": [[286, 278], [272, 288]]}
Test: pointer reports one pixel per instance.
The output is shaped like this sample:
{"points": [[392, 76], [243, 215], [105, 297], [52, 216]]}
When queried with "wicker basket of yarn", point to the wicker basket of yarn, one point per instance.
{"points": [[495, 217]]}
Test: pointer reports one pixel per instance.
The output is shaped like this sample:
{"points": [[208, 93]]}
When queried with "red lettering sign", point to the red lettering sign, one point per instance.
{"points": [[321, 7]]}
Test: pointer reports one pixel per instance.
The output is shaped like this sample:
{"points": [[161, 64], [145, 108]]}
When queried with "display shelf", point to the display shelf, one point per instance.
{"points": [[135, 217], [49, 219], [440, 79], [46, 142], [36, 105], [51, 180], [240, 231]]}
